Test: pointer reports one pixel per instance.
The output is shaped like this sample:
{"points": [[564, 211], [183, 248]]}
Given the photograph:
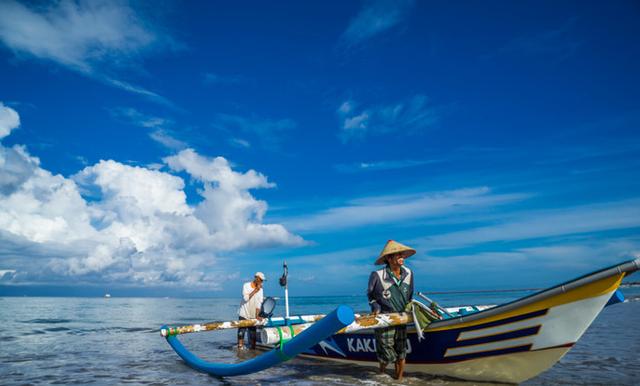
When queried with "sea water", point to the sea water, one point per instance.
{"points": [[116, 341]]}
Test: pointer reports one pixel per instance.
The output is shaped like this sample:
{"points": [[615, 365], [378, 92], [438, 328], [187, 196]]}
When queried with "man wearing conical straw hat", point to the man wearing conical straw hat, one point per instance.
{"points": [[390, 290]]}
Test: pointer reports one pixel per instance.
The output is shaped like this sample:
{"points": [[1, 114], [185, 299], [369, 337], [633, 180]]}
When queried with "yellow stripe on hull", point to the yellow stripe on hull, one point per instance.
{"points": [[597, 288]]}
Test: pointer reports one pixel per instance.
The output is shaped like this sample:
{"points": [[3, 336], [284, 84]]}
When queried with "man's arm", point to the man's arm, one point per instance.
{"points": [[373, 280], [259, 299], [247, 292]]}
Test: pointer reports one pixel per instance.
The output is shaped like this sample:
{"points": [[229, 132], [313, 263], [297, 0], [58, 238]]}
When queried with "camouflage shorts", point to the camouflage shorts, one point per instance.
{"points": [[391, 344]]}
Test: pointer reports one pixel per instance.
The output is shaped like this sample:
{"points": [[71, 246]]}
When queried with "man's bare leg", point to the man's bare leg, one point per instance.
{"points": [[240, 344], [383, 367], [399, 369]]}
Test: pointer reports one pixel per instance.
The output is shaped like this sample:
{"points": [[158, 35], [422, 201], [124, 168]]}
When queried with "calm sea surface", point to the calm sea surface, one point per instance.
{"points": [[116, 341]]}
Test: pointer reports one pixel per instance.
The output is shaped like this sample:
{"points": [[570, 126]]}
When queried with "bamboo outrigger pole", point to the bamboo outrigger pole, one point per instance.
{"points": [[361, 322], [213, 326]]}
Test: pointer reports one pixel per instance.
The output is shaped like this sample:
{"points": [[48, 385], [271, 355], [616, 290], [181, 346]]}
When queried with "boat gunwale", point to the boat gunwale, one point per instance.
{"points": [[625, 267]]}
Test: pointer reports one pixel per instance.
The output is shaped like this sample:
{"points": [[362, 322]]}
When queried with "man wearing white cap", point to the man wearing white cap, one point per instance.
{"points": [[391, 290], [252, 297]]}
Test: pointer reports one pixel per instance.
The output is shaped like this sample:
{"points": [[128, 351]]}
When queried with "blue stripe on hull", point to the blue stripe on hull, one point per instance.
{"points": [[432, 349]]}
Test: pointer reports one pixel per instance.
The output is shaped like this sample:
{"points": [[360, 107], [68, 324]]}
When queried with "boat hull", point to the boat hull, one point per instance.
{"points": [[509, 345]]}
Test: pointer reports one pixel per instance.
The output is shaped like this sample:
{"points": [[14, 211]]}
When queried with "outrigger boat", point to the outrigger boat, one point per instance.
{"points": [[508, 343]]}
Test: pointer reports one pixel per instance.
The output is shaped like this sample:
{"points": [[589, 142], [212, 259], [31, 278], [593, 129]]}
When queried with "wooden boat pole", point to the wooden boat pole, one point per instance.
{"points": [[212, 326], [361, 322]]}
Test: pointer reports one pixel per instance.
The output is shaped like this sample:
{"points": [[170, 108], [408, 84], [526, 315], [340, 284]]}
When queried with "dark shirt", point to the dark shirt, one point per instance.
{"points": [[398, 294]]}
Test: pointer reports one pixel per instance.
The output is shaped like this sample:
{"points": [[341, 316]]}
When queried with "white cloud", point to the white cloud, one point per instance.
{"points": [[91, 37], [546, 223], [137, 90], [409, 116], [374, 18], [165, 139], [216, 170], [160, 134], [539, 266], [346, 107], [382, 165], [228, 208], [136, 188], [395, 208], [9, 120], [356, 123], [239, 142], [135, 117], [113, 222]]}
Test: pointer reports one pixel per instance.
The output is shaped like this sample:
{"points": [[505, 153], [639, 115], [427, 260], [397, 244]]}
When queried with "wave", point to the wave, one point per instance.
{"points": [[57, 329], [47, 321]]}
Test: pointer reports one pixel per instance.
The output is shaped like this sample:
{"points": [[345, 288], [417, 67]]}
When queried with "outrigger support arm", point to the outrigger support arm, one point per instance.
{"points": [[325, 327]]}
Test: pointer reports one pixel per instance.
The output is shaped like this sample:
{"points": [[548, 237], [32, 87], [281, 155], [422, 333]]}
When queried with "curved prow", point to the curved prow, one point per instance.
{"points": [[325, 327]]}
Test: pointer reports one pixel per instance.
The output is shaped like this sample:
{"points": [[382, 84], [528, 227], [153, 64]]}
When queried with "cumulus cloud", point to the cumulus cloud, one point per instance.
{"points": [[91, 37], [113, 222], [375, 18], [228, 207], [408, 116], [9, 120]]}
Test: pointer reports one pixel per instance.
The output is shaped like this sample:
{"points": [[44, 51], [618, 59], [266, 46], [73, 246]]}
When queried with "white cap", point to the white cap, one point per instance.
{"points": [[260, 275]]}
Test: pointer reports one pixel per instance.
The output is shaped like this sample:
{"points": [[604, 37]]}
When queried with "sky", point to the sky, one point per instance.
{"points": [[170, 148]]}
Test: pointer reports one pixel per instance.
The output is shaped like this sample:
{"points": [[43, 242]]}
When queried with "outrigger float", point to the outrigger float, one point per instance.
{"points": [[508, 343]]}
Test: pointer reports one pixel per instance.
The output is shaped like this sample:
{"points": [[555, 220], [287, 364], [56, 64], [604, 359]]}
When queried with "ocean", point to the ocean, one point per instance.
{"points": [[106, 341]]}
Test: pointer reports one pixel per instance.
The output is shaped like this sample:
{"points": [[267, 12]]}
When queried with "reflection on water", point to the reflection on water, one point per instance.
{"points": [[116, 340]]}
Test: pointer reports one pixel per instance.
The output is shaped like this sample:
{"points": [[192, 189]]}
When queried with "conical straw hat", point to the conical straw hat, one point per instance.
{"points": [[394, 247]]}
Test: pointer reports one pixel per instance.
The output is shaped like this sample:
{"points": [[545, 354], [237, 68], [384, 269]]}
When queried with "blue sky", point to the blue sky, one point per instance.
{"points": [[174, 148]]}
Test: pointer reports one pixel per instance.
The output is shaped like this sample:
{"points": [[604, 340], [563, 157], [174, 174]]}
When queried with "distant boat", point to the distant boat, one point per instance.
{"points": [[107, 295]]}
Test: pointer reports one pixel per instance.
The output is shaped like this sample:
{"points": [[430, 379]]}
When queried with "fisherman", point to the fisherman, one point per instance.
{"points": [[390, 290], [252, 297]]}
